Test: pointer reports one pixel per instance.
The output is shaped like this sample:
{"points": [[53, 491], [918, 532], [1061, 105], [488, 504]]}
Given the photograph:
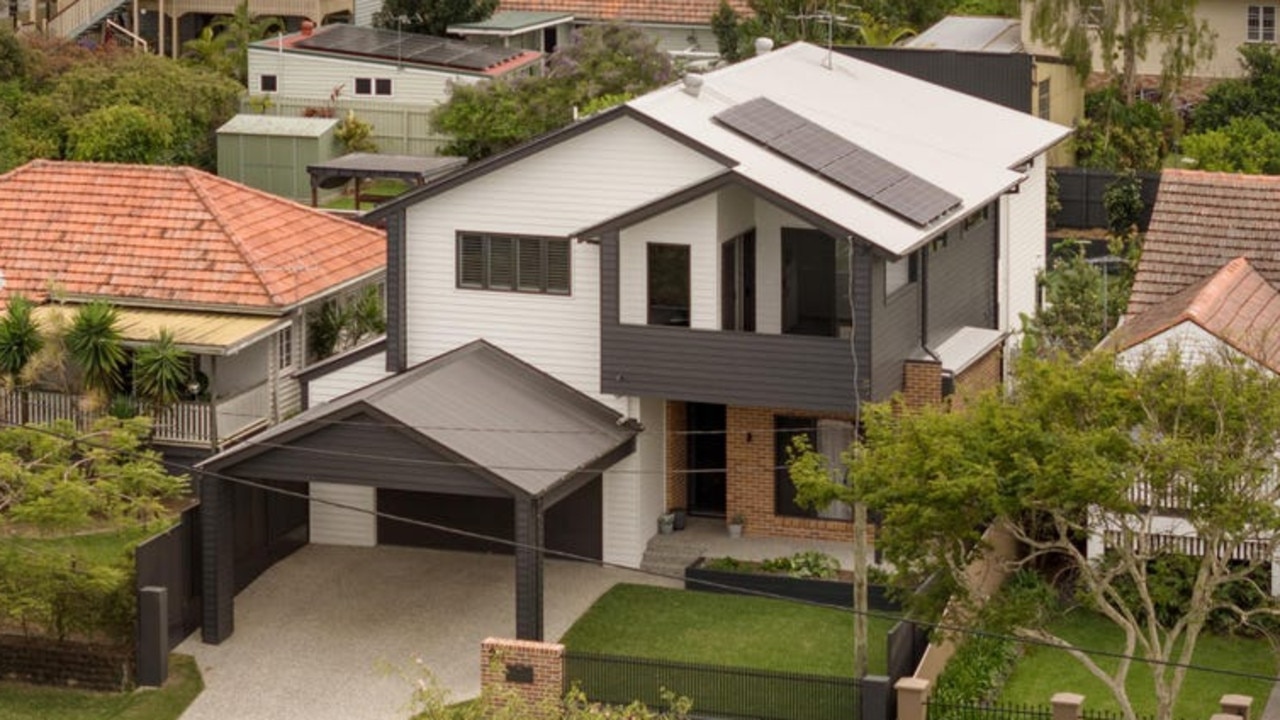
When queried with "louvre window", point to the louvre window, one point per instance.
{"points": [[514, 264]]}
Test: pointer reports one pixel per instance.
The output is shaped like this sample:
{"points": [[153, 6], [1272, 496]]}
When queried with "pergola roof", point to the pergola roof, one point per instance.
{"points": [[409, 168]]}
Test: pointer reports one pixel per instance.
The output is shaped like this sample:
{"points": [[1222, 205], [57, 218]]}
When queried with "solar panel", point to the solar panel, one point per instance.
{"points": [[918, 200], [407, 47], [843, 162]]}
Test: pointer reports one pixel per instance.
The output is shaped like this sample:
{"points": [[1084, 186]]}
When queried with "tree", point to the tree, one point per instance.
{"points": [[1081, 304], [233, 33], [19, 337], [13, 59], [881, 32], [431, 17], [1121, 33], [161, 371], [94, 345], [1256, 95], [1244, 145], [1086, 451], [121, 134], [729, 40]]}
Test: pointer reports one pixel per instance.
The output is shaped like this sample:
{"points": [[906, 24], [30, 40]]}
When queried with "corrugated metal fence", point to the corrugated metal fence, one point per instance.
{"points": [[397, 129], [1080, 191]]}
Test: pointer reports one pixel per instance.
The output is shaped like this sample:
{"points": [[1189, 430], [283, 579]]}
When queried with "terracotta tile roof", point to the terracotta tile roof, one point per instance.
{"points": [[1201, 221], [170, 236], [682, 12], [1236, 305]]}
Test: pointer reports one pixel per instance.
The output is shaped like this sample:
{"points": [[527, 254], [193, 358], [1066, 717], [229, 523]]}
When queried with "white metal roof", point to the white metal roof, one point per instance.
{"points": [[965, 145], [249, 124], [983, 34]]}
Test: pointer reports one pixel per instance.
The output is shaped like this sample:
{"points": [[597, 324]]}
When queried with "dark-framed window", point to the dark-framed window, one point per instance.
{"points": [[373, 86], [1044, 93], [668, 271], [284, 348], [267, 83], [513, 263], [830, 438], [738, 282], [1261, 23]]}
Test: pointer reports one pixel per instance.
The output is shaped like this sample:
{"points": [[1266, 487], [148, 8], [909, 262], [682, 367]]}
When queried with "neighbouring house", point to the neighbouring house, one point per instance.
{"points": [[985, 57], [642, 308], [1233, 22], [389, 78], [234, 273], [1205, 285], [530, 30]]}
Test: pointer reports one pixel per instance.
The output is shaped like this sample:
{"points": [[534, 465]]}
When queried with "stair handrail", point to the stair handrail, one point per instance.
{"points": [[137, 39]]}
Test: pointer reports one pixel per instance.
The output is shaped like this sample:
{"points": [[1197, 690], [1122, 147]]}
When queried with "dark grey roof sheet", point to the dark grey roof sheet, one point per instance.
{"points": [[407, 47], [365, 165], [499, 413]]}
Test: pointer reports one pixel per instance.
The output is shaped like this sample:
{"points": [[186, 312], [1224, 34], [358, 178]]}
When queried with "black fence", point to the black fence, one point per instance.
{"points": [[172, 560], [716, 691], [987, 711], [1080, 191]]}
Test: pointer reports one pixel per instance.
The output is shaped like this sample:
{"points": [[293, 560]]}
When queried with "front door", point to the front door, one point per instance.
{"points": [[706, 458]]}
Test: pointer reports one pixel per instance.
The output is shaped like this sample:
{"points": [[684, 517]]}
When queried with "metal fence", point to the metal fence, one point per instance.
{"points": [[1080, 191], [716, 691], [987, 711]]}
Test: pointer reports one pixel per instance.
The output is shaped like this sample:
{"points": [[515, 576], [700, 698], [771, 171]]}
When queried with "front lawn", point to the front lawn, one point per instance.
{"points": [[1044, 671], [715, 629], [33, 702]]}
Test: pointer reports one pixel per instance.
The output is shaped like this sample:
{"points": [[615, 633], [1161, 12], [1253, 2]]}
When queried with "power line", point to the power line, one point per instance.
{"points": [[515, 545]]}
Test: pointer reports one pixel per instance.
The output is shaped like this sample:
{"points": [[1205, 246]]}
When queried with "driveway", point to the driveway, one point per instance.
{"points": [[322, 633]]}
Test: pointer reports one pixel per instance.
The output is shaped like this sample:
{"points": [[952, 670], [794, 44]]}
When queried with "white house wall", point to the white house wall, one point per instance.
{"points": [[615, 167], [306, 75], [233, 374], [331, 525], [634, 488], [1022, 242], [1194, 344], [343, 380], [770, 220], [364, 10]]}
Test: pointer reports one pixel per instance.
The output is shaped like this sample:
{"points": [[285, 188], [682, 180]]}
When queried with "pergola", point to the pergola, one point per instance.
{"points": [[363, 166], [473, 422]]}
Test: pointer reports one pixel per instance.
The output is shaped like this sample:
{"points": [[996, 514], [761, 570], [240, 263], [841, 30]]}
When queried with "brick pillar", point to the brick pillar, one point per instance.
{"points": [[677, 455], [913, 694], [749, 448], [1066, 706], [524, 669], [921, 383], [1237, 705]]}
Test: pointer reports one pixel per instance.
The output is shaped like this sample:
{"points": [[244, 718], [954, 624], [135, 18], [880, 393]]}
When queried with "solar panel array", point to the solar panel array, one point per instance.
{"points": [[406, 47], [839, 160]]}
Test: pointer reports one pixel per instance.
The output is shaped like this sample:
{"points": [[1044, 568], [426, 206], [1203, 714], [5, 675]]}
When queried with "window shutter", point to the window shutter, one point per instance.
{"points": [[471, 261], [559, 261], [502, 263], [532, 272]]}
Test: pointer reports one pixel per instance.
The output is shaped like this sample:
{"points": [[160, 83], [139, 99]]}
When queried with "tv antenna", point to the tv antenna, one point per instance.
{"points": [[831, 19]]}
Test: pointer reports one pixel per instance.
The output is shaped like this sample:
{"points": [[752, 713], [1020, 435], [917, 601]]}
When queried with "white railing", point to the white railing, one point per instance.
{"points": [[79, 15], [186, 423], [43, 407], [240, 413], [1150, 543]]}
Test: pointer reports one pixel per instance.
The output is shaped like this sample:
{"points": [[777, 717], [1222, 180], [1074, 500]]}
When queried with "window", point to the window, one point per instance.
{"points": [[1261, 23], [267, 83], [668, 284], [284, 348], [830, 438], [738, 283], [373, 86], [901, 273], [816, 275], [1042, 99], [513, 263]]}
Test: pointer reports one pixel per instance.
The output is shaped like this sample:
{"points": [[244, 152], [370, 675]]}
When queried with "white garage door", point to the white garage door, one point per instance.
{"points": [[332, 525]]}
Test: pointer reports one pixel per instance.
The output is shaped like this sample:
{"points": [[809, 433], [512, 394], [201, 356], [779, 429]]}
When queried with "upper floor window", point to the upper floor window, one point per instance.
{"points": [[267, 83], [513, 263], [1261, 23], [284, 348], [373, 86], [1043, 94], [668, 284]]}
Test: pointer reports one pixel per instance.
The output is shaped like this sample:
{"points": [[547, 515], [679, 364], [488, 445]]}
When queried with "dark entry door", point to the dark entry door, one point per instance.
{"points": [[706, 458]]}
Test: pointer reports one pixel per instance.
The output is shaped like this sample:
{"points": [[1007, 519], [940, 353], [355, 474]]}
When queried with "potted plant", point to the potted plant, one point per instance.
{"points": [[735, 525], [666, 523]]}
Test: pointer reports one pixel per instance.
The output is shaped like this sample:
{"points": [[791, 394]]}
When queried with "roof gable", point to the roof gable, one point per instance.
{"points": [[1201, 221], [171, 236]]}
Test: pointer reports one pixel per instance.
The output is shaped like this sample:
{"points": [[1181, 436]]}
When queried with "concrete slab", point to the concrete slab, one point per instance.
{"points": [[321, 634]]}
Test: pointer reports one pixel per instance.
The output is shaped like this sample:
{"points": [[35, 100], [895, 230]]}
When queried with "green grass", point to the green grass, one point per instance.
{"points": [[1045, 671], [31, 702], [377, 187], [702, 627], [99, 548]]}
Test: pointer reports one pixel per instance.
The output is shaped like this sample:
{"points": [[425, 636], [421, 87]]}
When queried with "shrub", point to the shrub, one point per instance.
{"points": [[61, 596]]}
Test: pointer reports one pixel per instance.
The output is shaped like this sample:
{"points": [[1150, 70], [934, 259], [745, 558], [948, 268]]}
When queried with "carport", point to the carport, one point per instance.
{"points": [[471, 432]]}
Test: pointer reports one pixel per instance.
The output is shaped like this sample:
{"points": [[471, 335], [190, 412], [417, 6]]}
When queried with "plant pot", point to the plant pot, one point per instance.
{"points": [[735, 530], [681, 517], [666, 524]]}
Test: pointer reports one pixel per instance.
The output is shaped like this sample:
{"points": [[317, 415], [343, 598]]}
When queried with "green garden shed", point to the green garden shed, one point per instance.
{"points": [[271, 153]]}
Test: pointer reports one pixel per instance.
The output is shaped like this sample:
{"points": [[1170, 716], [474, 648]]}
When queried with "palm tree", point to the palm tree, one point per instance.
{"points": [[242, 28], [879, 32], [95, 346], [19, 337], [161, 371]]}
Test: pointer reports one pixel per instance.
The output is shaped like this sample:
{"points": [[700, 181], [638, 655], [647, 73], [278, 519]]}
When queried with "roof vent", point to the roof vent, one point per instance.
{"points": [[692, 84], [763, 45], [307, 28]]}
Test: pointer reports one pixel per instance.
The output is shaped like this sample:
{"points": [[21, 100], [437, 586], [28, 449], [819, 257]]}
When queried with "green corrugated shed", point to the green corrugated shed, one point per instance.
{"points": [[272, 153]]}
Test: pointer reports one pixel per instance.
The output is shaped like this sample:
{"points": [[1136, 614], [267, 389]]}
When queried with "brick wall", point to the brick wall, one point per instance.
{"points": [[921, 383], [502, 661], [984, 374], [677, 456], [45, 661]]}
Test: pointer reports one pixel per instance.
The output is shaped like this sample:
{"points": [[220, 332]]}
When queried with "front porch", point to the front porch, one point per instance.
{"points": [[708, 537]]}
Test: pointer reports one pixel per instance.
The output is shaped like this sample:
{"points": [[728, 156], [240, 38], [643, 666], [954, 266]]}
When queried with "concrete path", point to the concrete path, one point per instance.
{"points": [[321, 634], [1271, 710]]}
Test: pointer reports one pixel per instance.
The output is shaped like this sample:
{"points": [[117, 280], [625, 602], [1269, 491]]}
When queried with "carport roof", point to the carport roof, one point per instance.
{"points": [[499, 415]]}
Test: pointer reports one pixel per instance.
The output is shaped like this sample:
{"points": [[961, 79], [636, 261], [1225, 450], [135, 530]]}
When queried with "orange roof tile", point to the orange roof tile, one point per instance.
{"points": [[1236, 305], [682, 12], [170, 236], [1202, 220]]}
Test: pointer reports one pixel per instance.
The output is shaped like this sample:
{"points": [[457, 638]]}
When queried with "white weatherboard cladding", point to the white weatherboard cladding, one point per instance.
{"points": [[331, 525], [1022, 241], [347, 378], [577, 183], [364, 10], [307, 75], [770, 220], [693, 225], [634, 489], [1194, 345]]}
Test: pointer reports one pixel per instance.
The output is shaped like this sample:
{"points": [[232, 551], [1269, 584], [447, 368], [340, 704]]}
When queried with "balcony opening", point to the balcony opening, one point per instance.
{"points": [[668, 284], [738, 283], [815, 284]]}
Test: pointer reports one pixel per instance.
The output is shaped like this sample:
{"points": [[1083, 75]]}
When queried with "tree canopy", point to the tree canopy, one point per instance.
{"points": [[431, 17], [1091, 453], [1237, 127]]}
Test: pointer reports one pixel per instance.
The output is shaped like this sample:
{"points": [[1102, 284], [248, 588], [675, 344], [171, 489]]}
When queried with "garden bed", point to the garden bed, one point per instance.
{"points": [[750, 578]]}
